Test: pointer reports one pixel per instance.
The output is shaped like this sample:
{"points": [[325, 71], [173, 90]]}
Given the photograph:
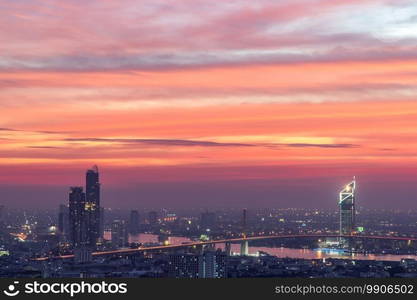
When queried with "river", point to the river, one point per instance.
{"points": [[276, 251]]}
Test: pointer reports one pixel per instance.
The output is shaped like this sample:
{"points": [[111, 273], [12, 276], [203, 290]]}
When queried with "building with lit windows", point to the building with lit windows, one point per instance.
{"points": [[210, 264], [347, 210], [85, 214], [77, 226], [92, 206]]}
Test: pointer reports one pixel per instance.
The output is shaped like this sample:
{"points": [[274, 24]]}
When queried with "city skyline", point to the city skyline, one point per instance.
{"points": [[203, 104], [223, 196], [81, 239]]}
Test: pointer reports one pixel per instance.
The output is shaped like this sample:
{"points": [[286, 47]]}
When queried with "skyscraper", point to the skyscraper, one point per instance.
{"points": [[347, 208], [92, 205], [77, 226], [134, 222]]}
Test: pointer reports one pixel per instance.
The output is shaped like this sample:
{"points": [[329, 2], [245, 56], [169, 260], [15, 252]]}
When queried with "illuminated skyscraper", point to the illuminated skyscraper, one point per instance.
{"points": [[92, 205], [347, 208], [77, 228]]}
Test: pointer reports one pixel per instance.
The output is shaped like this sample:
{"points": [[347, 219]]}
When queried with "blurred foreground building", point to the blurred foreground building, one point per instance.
{"points": [[210, 264]]}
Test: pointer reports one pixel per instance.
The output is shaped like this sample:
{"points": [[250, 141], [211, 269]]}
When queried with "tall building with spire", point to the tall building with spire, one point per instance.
{"points": [[347, 209], [92, 205]]}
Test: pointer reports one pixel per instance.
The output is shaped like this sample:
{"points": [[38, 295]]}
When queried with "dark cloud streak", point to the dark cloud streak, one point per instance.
{"points": [[164, 142], [43, 147], [192, 143], [184, 61], [34, 131], [306, 145]]}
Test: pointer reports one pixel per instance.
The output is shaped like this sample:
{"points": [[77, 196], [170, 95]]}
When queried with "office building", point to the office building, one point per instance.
{"points": [[347, 210], [77, 225], [92, 206]]}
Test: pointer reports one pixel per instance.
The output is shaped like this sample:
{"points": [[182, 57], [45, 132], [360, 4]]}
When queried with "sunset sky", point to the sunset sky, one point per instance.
{"points": [[267, 103]]}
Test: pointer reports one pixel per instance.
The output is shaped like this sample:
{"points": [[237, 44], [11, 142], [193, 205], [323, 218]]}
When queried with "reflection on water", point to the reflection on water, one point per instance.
{"points": [[145, 238], [318, 254]]}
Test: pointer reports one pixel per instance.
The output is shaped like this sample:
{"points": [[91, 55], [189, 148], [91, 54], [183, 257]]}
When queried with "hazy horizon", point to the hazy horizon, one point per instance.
{"points": [[321, 193]]}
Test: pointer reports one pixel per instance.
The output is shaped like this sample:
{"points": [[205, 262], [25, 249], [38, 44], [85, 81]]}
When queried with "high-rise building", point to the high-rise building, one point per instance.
{"points": [[63, 220], [134, 222], [92, 205], [77, 225], [347, 208], [119, 234], [213, 264], [210, 264]]}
